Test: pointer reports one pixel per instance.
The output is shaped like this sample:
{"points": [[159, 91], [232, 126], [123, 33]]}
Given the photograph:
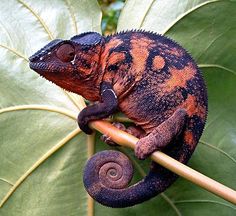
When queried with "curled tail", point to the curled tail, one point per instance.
{"points": [[108, 173]]}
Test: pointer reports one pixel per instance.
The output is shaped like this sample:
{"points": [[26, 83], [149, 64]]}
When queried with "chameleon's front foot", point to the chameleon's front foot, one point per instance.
{"points": [[83, 123], [100, 110], [133, 130]]}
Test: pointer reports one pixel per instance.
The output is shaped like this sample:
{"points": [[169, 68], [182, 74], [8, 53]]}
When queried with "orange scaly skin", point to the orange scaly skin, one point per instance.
{"points": [[150, 78]]}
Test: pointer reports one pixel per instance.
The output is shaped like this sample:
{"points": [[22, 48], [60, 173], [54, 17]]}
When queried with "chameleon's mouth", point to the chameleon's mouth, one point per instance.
{"points": [[37, 62], [39, 67]]}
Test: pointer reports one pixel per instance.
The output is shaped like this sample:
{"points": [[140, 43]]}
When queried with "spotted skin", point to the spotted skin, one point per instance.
{"points": [[151, 79]]}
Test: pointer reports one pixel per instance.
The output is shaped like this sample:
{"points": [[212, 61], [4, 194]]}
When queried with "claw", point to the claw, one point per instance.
{"points": [[108, 140]]}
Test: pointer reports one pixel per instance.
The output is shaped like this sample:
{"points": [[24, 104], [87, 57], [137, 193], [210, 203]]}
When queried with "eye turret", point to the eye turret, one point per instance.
{"points": [[66, 52]]}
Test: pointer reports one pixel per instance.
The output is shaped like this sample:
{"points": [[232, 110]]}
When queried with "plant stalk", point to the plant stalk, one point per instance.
{"points": [[125, 139]]}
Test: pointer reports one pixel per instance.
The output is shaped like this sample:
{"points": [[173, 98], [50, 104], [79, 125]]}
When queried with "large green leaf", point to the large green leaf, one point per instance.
{"points": [[37, 118]]}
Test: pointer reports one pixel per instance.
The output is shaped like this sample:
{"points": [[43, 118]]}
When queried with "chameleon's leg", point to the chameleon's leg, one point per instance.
{"points": [[99, 110], [133, 130], [136, 131], [161, 135]]}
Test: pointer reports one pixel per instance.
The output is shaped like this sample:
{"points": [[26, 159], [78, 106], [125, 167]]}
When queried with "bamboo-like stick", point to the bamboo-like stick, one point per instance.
{"points": [[125, 139]]}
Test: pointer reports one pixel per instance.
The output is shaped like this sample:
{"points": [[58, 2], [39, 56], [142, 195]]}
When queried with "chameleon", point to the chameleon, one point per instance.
{"points": [[153, 81]]}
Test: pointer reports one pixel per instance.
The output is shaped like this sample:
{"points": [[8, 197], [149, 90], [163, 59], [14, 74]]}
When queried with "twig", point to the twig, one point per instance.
{"points": [[125, 139]]}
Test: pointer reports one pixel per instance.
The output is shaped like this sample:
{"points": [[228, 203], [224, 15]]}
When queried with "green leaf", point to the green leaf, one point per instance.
{"points": [[42, 151], [203, 29]]}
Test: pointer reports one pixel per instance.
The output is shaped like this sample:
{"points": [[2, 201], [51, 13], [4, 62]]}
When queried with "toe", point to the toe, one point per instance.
{"points": [[141, 151]]}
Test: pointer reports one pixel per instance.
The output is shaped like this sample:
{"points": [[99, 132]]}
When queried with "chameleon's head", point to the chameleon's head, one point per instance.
{"points": [[69, 63]]}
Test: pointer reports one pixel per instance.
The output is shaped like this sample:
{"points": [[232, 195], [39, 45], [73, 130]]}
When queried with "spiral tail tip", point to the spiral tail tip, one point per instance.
{"points": [[106, 172]]}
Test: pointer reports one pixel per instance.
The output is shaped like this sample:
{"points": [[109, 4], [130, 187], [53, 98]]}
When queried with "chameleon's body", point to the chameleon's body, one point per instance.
{"points": [[150, 78]]}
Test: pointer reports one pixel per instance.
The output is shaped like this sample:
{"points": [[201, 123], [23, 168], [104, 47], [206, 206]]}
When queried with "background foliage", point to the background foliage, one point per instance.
{"points": [[111, 11], [37, 118]]}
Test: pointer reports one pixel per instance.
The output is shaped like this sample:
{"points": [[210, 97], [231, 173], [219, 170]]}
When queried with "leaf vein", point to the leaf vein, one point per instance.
{"points": [[204, 201], [146, 13], [171, 203], [65, 112], [14, 51], [40, 161], [38, 18], [71, 12], [186, 13], [211, 43], [219, 150], [217, 66], [6, 181], [143, 174], [6, 32]]}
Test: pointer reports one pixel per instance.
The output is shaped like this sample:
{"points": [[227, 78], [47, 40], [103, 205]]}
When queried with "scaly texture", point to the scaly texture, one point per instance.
{"points": [[150, 78]]}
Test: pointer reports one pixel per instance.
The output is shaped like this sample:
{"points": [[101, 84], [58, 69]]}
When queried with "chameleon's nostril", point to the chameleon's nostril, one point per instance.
{"points": [[32, 58]]}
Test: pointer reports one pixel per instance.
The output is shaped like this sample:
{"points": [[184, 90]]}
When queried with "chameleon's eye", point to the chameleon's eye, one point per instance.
{"points": [[66, 52]]}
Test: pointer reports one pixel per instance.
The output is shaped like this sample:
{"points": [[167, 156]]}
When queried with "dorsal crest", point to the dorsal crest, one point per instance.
{"points": [[87, 38]]}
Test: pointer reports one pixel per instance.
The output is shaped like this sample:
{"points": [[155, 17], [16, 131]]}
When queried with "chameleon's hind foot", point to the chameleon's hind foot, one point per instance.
{"points": [[162, 135], [136, 131], [133, 130], [108, 139]]}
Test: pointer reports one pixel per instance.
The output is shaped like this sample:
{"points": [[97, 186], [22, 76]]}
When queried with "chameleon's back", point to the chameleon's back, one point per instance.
{"points": [[161, 78], [153, 77]]}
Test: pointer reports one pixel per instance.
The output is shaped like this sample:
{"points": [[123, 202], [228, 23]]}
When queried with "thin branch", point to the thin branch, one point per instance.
{"points": [[125, 139], [143, 174]]}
